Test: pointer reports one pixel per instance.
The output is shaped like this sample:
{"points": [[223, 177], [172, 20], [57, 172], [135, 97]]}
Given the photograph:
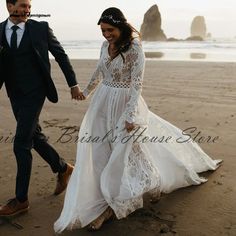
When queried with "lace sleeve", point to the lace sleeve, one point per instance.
{"points": [[137, 71], [93, 82], [96, 78]]}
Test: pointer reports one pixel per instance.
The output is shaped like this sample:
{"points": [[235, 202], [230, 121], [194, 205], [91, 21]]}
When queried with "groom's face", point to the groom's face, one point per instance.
{"points": [[20, 10]]}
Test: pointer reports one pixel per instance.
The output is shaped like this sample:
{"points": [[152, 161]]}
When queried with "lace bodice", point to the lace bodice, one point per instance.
{"points": [[121, 72]]}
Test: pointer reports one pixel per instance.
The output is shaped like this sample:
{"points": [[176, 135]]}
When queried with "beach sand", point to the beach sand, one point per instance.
{"points": [[187, 94]]}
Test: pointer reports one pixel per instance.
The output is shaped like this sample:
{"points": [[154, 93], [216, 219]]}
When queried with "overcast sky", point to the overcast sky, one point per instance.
{"points": [[77, 19]]}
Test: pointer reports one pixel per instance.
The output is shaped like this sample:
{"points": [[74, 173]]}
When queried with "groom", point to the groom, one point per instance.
{"points": [[25, 69]]}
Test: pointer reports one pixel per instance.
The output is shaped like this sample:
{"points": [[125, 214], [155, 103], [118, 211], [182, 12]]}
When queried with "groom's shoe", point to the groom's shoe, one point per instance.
{"points": [[62, 179], [14, 207]]}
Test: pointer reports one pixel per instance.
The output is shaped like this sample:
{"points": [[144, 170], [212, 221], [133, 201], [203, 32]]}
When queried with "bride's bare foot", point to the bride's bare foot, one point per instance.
{"points": [[155, 196], [105, 216]]}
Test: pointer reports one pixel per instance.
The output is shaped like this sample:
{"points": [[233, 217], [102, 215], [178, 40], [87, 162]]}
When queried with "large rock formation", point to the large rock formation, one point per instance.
{"points": [[198, 27], [209, 35], [151, 26], [194, 38]]}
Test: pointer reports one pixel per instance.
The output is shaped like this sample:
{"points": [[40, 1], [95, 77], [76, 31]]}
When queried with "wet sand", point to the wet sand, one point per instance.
{"points": [[188, 94]]}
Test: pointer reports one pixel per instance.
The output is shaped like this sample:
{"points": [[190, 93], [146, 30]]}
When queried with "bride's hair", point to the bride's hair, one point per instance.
{"points": [[114, 16]]}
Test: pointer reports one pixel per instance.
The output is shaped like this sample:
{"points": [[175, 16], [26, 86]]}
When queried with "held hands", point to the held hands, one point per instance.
{"points": [[129, 126], [76, 93]]}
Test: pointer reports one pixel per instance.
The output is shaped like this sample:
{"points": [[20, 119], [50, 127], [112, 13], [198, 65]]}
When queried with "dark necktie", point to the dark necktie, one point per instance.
{"points": [[14, 37]]}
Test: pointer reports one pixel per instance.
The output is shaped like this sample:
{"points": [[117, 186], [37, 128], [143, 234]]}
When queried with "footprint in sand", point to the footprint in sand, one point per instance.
{"points": [[217, 182], [54, 122]]}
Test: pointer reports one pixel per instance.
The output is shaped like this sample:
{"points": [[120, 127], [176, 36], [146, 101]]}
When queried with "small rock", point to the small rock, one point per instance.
{"points": [[164, 229]]}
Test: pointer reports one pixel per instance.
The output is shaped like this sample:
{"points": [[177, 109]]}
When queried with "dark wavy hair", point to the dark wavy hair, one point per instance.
{"points": [[11, 1], [114, 16]]}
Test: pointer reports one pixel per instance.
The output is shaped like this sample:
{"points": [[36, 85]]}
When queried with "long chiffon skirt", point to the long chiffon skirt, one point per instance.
{"points": [[115, 168]]}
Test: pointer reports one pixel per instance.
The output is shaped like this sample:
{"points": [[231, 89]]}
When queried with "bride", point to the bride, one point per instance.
{"points": [[121, 160]]}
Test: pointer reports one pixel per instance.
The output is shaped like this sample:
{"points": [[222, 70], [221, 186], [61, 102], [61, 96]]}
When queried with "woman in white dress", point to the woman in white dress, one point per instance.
{"points": [[119, 156]]}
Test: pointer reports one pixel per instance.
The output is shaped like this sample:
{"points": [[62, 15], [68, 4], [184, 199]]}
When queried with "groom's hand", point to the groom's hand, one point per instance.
{"points": [[76, 93]]}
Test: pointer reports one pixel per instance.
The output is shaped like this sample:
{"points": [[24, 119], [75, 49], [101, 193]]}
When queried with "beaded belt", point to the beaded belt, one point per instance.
{"points": [[116, 84]]}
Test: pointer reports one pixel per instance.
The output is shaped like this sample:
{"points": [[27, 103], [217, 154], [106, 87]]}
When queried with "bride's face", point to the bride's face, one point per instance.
{"points": [[110, 33]]}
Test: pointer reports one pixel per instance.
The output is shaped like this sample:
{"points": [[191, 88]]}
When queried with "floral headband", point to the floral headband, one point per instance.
{"points": [[110, 17]]}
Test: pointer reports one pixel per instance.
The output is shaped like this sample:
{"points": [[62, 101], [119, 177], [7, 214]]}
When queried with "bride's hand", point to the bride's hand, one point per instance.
{"points": [[82, 97], [77, 94], [129, 126]]}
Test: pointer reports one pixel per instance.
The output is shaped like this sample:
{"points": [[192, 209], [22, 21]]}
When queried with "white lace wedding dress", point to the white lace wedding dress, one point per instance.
{"points": [[114, 168]]}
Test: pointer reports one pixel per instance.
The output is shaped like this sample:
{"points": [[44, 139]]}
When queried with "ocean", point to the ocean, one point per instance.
{"points": [[211, 50]]}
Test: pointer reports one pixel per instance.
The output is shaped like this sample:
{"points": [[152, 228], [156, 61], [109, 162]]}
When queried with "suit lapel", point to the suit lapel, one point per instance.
{"points": [[33, 33], [2, 30]]}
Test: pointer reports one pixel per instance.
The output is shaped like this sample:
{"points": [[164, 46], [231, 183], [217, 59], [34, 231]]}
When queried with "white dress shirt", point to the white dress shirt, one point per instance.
{"points": [[19, 31]]}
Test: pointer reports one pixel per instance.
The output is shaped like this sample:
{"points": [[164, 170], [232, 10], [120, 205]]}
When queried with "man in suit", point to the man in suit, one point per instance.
{"points": [[25, 70]]}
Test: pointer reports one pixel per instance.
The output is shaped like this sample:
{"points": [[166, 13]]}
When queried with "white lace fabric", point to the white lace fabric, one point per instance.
{"points": [[117, 171], [121, 73]]}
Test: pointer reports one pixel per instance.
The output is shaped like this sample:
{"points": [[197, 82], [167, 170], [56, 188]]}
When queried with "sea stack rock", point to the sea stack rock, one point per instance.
{"points": [[198, 27], [151, 26], [209, 36]]}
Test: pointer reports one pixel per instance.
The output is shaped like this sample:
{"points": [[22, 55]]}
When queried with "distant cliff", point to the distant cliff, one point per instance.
{"points": [[151, 26], [198, 27]]}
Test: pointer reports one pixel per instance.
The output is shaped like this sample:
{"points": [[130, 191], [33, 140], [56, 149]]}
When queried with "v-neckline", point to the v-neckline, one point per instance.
{"points": [[110, 58]]}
